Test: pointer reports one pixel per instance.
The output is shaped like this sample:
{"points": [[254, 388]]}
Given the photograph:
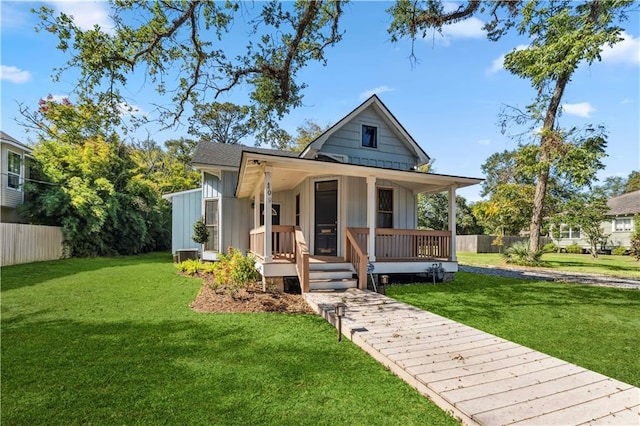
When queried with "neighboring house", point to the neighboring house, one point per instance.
{"points": [[14, 170], [619, 224], [311, 214]]}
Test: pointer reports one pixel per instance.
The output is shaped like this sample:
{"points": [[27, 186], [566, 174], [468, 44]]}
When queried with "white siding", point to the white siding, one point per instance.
{"points": [[29, 243], [10, 197]]}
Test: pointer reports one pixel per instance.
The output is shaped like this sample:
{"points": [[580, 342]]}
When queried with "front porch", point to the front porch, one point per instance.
{"points": [[394, 251]]}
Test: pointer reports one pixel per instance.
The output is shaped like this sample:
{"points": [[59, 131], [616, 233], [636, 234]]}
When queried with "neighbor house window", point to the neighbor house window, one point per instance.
{"points": [[385, 208], [369, 136], [13, 170], [567, 232], [623, 225], [211, 221]]}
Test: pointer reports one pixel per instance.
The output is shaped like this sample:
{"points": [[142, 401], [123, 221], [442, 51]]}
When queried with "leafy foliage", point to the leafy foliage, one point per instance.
{"points": [[587, 213], [221, 122], [619, 251], [92, 190], [234, 271], [433, 214], [190, 266], [550, 248], [519, 254], [635, 238], [307, 132], [507, 211], [573, 249], [200, 232], [177, 44]]}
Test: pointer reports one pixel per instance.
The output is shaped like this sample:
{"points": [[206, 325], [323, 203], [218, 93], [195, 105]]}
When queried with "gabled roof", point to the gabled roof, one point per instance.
{"points": [[378, 105], [12, 141], [228, 155], [625, 204]]}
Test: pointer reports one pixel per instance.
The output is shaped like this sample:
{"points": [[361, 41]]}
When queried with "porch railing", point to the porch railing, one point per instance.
{"points": [[283, 242], [407, 244], [356, 254]]}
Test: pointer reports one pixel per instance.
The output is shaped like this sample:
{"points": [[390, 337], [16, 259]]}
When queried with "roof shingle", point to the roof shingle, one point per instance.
{"points": [[229, 155], [624, 204]]}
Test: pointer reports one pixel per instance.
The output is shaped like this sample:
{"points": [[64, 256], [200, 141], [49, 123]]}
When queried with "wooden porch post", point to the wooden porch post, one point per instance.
{"points": [[371, 216], [267, 215], [452, 222]]}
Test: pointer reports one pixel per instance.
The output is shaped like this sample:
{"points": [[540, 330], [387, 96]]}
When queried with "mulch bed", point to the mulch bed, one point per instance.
{"points": [[249, 299]]}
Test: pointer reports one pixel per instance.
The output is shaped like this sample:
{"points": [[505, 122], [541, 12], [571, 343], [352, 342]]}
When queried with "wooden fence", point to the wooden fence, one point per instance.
{"points": [[29, 243], [482, 243]]}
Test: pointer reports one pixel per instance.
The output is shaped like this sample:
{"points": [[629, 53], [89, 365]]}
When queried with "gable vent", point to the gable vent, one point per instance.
{"points": [[340, 158]]}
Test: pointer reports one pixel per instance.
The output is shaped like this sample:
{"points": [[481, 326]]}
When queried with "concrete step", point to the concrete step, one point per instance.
{"points": [[332, 284], [333, 274]]}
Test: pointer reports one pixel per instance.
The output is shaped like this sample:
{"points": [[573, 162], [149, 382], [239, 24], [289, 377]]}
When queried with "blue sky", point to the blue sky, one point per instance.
{"points": [[449, 101]]}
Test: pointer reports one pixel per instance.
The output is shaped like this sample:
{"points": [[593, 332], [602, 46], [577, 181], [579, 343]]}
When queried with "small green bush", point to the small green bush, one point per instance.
{"points": [[574, 249], [619, 251], [550, 248], [234, 271], [190, 266], [200, 232], [518, 254]]}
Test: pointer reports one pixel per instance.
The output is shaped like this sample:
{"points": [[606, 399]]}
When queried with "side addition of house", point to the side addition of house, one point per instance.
{"points": [[343, 207]]}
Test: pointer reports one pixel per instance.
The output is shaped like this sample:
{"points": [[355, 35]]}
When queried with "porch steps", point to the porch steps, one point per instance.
{"points": [[331, 276]]}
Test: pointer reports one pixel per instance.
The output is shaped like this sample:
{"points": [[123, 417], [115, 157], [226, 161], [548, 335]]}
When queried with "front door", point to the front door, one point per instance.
{"points": [[326, 218]]}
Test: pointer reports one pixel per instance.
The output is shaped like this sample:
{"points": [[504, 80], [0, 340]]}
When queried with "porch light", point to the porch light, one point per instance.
{"points": [[340, 310]]}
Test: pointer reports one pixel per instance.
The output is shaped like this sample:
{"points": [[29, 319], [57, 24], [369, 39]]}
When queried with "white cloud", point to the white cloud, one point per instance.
{"points": [[469, 28], [86, 14], [498, 64], [375, 91], [14, 74], [484, 142], [581, 109], [626, 51], [131, 110], [626, 101]]}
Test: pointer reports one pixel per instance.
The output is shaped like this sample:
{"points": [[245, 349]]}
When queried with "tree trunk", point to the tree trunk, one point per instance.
{"points": [[547, 142]]}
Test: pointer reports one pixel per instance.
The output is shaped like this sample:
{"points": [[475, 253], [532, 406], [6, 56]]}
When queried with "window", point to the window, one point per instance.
{"points": [[623, 225], [211, 222], [13, 170], [275, 214], [569, 233], [369, 136], [385, 208], [297, 209]]}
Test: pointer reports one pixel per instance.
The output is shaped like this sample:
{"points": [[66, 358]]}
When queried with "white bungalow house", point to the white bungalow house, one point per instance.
{"points": [[618, 226], [345, 204], [14, 170]]}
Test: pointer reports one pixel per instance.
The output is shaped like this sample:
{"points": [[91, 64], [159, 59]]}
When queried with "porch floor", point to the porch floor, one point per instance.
{"points": [[480, 378]]}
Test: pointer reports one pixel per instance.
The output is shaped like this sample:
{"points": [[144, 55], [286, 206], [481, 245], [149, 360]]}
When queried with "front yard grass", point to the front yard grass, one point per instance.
{"points": [[113, 341], [594, 327], [620, 266]]}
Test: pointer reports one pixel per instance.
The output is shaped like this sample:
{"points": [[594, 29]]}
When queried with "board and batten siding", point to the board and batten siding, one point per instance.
{"points": [[391, 152], [186, 209], [404, 203], [30, 243]]}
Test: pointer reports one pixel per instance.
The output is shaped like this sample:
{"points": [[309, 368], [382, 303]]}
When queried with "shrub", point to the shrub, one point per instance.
{"points": [[200, 232], [234, 271], [619, 251], [190, 266], [519, 254], [550, 248], [574, 249], [635, 238]]}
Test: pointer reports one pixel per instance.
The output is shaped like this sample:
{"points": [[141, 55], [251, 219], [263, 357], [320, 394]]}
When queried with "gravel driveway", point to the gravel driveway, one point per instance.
{"points": [[548, 275]]}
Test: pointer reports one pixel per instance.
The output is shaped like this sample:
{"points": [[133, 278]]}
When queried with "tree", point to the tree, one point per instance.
{"points": [[507, 211], [611, 187], [562, 35], [635, 238], [307, 132], [432, 214], [92, 192], [587, 213], [633, 182], [221, 122], [177, 44]]}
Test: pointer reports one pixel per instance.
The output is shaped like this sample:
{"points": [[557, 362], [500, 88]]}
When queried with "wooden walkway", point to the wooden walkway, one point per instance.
{"points": [[479, 378]]}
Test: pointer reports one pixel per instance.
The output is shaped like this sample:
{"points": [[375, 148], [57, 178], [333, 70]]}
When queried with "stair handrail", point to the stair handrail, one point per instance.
{"points": [[357, 256], [302, 260]]}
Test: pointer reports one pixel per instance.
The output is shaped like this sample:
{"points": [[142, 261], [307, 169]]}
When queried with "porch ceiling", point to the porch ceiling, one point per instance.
{"points": [[288, 172]]}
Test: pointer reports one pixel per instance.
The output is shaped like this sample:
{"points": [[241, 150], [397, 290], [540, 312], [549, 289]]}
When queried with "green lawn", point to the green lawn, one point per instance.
{"points": [[112, 341], [595, 327], [621, 266]]}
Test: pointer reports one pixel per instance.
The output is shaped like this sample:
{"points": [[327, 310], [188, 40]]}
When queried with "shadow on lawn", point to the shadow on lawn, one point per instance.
{"points": [[182, 372], [18, 276]]}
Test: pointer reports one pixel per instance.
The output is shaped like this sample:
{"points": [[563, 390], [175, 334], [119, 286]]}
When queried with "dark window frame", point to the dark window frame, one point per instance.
{"points": [[369, 136], [384, 217]]}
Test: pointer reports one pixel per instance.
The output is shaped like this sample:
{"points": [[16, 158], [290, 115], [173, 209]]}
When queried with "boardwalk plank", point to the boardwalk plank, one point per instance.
{"points": [[447, 354], [626, 417]]}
